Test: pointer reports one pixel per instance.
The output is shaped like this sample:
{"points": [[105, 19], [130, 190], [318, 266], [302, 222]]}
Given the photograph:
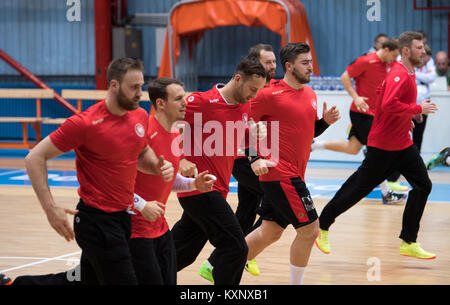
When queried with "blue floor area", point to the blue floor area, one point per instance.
{"points": [[318, 187]]}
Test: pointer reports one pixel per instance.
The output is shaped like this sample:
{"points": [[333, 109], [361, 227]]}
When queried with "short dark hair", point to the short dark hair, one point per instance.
{"points": [[405, 39], [428, 50], [379, 36], [119, 67], [392, 44], [255, 51], [290, 52], [157, 88], [249, 66]]}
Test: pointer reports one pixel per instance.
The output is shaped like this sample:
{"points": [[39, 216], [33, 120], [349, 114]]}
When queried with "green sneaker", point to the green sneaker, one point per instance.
{"points": [[322, 241], [205, 272], [397, 187], [414, 250], [439, 159], [252, 267]]}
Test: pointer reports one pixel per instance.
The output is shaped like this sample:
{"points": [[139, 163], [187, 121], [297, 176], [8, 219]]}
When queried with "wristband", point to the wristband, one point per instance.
{"points": [[139, 202], [253, 158]]}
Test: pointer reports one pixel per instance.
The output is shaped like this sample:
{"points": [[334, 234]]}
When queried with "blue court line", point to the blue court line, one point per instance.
{"points": [[355, 165], [325, 188]]}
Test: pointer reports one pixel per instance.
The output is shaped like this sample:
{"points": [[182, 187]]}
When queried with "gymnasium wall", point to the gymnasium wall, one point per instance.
{"points": [[38, 34]]}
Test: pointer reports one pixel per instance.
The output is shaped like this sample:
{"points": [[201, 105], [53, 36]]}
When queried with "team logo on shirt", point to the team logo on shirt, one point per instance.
{"points": [[139, 129], [397, 79], [314, 104], [245, 117], [190, 99]]}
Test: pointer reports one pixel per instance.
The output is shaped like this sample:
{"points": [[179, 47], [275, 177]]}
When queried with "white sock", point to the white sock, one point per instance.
{"points": [[297, 273], [318, 145], [384, 187]]}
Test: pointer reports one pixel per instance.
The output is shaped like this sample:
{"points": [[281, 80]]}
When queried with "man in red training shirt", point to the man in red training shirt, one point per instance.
{"points": [[212, 146], [110, 142], [368, 71], [292, 106], [390, 149], [151, 244]]}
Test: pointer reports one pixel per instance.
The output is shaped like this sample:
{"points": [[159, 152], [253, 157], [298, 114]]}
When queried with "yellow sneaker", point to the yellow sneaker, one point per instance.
{"points": [[397, 187], [252, 267], [322, 241], [414, 250]]}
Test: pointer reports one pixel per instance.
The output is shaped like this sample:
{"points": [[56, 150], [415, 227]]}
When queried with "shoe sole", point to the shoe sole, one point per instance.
{"points": [[424, 258], [252, 273], [205, 277], [317, 245]]}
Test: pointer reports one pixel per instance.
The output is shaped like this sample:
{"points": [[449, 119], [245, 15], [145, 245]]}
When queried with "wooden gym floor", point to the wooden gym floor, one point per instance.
{"points": [[364, 240]]}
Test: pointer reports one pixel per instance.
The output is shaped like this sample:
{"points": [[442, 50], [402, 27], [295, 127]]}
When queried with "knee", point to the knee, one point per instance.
{"points": [[425, 187], [273, 236], [354, 150], [309, 232]]}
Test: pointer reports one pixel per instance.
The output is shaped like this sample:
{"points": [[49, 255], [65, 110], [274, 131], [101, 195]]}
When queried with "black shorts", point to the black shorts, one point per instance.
{"points": [[287, 202], [361, 124]]}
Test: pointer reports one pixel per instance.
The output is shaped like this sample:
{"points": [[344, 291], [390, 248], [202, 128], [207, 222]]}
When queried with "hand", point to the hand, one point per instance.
{"points": [[152, 210], [418, 118], [187, 168], [261, 166], [428, 107], [57, 217], [331, 115], [257, 130], [166, 169], [360, 103], [411, 127], [204, 182]]}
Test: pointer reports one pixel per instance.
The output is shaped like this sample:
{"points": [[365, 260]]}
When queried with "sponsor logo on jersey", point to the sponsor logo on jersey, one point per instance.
{"points": [[97, 121], [153, 135], [277, 92]]}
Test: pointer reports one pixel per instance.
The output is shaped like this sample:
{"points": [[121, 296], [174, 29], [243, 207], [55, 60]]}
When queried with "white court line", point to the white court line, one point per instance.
{"points": [[33, 258], [40, 262], [13, 172]]}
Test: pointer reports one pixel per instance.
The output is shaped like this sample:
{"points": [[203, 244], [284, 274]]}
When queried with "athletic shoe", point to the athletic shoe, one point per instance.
{"points": [[206, 272], [4, 280], [322, 241], [393, 198], [252, 267], [414, 250], [439, 159], [397, 187]]}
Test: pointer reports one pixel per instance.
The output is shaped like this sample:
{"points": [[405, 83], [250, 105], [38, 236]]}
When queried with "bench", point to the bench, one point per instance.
{"points": [[34, 122]]}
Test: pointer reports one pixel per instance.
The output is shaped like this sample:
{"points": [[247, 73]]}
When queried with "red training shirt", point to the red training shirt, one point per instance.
{"points": [[368, 71], [395, 109], [152, 187], [296, 112], [216, 147], [107, 147]]}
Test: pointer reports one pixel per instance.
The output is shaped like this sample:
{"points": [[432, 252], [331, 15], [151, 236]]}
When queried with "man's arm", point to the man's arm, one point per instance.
{"points": [[148, 163], [360, 101], [36, 165]]}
